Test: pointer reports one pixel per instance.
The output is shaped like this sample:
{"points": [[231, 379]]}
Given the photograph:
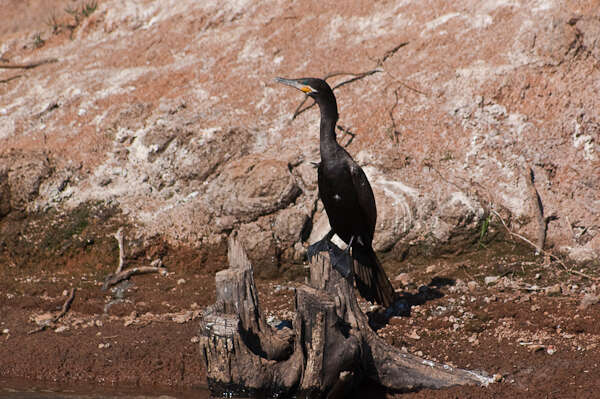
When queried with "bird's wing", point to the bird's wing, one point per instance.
{"points": [[366, 199]]}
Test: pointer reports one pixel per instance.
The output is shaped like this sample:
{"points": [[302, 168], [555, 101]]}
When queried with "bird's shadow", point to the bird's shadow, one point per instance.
{"points": [[379, 318]]}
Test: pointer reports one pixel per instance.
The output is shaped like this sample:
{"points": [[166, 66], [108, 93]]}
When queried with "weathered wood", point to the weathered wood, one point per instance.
{"points": [[329, 350]]}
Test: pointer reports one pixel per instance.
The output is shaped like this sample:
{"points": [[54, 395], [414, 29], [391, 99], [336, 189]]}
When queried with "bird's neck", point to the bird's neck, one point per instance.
{"points": [[329, 117]]}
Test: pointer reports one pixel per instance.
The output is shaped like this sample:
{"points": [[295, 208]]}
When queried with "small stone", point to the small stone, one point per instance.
{"points": [[413, 335], [98, 323], [43, 319], [497, 377], [551, 350], [588, 300], [538, 276], [472, 286], [489, 280], [535, 308], [180, 281], [536, 347], [194, 340], [431, 269], [61, 329], [156, 263], [419, 353], [404, 278], [5, 331], [553, 290]]}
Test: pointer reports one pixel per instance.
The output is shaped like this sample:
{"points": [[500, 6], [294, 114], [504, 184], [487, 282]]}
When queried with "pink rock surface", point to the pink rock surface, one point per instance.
{"points": [[169, 110]]}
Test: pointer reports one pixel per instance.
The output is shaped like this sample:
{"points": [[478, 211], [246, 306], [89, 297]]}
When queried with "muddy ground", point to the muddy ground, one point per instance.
{"points": [[515, 314]]}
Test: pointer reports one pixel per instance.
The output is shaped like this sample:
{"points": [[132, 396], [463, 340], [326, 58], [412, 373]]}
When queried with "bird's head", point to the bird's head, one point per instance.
{"points": [[318, 89]]}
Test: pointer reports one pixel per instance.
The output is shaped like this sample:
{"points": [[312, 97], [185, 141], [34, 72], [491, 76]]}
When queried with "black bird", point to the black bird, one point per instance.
{"points": [[348, 200]]}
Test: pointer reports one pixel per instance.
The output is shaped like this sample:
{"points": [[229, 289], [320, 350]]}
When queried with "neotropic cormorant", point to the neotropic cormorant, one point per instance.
{"points": [[348, 200]]}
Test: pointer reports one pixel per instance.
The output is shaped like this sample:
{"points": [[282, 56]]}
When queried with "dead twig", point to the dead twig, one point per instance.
{"points": [[550, 255], [578, 273], [538, 210], [28, 65], [65, 306], [390, 53], [9, 79], [356, 76], [395, 131], [63, 311], [348, 132]]}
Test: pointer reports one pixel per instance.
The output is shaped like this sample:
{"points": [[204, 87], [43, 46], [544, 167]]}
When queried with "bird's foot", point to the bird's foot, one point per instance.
{"points": [[340, 261], [319, 246]]}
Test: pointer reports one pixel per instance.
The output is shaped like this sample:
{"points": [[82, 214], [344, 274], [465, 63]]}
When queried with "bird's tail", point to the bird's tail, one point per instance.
{"points": [[371, 280]]}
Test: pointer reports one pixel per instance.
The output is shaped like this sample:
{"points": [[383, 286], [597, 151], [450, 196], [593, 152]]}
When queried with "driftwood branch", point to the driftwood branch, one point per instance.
{"points": [[119, 237], [113, 279], [120, 274], [330, 347], [63, 311]]}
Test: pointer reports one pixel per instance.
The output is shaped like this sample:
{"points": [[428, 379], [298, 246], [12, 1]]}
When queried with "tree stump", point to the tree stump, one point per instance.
{"points": [[329, 350]]}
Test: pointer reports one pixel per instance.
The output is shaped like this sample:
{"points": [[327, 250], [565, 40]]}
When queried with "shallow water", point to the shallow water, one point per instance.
{"points": [[17, 389]]}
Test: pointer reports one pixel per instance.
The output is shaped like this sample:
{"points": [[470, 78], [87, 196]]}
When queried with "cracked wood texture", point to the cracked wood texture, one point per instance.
{"points": [[329, 351]]}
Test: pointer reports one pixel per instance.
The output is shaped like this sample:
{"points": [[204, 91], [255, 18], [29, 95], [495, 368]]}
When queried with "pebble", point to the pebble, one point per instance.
{"points": [[404, 278], [104, 346], [5, 331], [489, 280], [61, 329], [551, 350], [536, 347], [180, 281], [472, 286], [431, 269], [588, 300], [553, 290], [194, 340]]}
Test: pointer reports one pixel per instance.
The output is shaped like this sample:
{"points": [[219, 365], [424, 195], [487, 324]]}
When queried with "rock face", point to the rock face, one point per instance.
{"points": [[169, 111]]}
